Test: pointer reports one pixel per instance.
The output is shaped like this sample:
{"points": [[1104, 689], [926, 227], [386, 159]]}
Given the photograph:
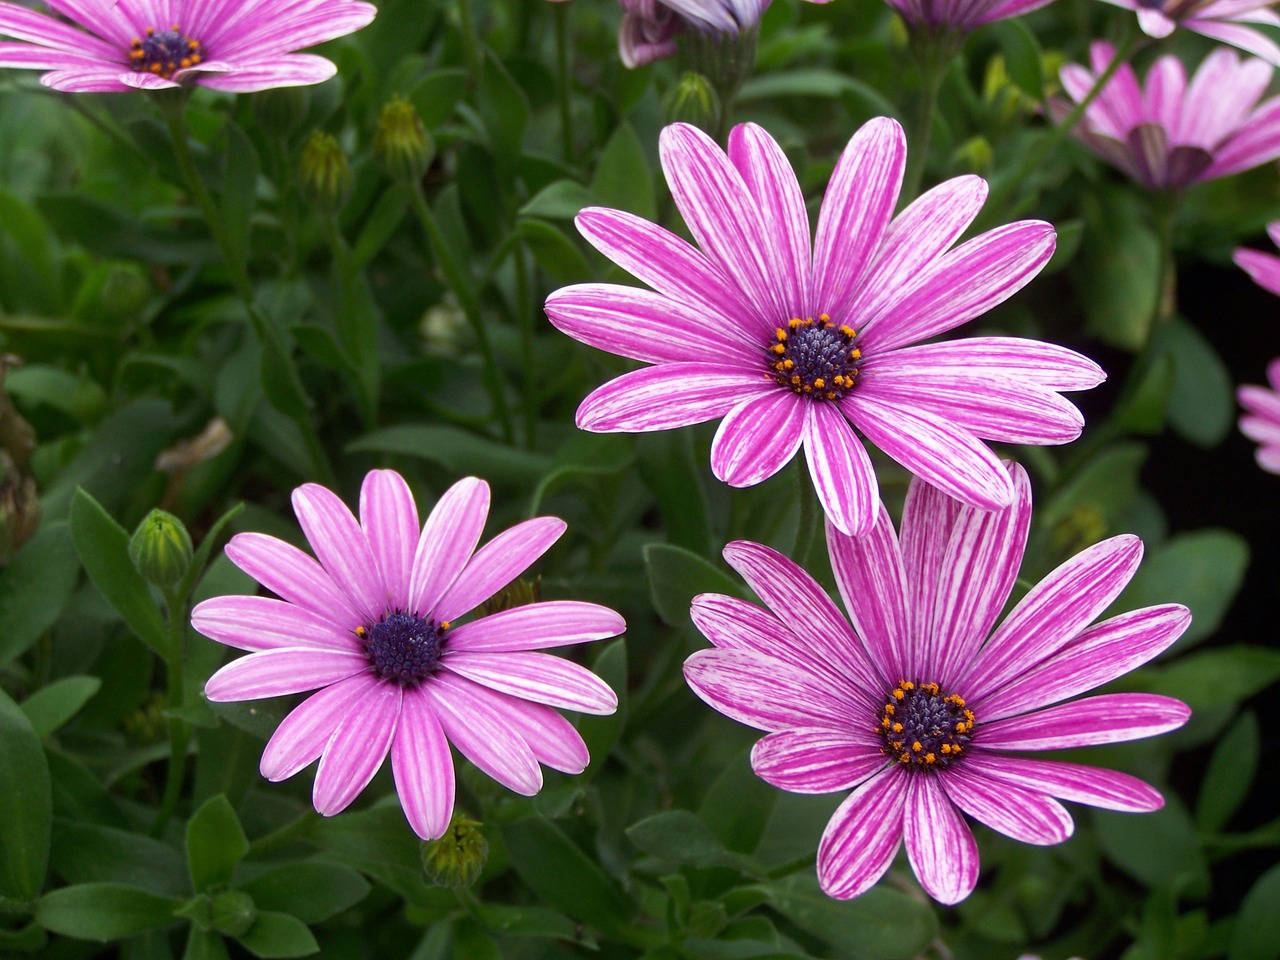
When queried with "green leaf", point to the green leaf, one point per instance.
{"points": [[36, 588], [738, 805], [881, 923], [456, 450], [1256, 935], [679, 836], [26, 805], [200, 559], [1230, 773], [505, 110], [380, 226], [560, 201], [310, 890], [527, 921], [279, 935], [204, 945], [1156, 849], [1119, 265], [562, 876], [215, 843], [104, 911], [1203, 569], [85, 852], [554, 251], [104, 229], [677, 575], [103, 546], [1202, 404], [623, 178], [239, 193], [49, 708], [1105, 486], [673, 474], [74, 394], [1215, 678], [1022, 56]]}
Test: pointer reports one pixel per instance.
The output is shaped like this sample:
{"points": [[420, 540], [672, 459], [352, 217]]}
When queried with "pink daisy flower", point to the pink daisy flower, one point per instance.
{"points": [[1170, 133], [962, 16], [1261, 421], [650, 27], [1264, 268], [1223, 20], [794, 344], [919, 705], [234, 45], [377, 627]]}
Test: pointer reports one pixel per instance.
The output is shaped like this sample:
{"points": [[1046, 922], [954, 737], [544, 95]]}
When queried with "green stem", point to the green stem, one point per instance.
{"points": [[934, 54], [470, 39], [358, 338], [470, 303], [179, 729], [526, 314], [810, 516], [561, 13]]}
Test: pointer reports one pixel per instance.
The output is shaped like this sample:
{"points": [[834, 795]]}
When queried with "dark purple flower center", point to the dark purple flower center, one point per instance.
{"points": [[165, 52], [403, 648], [924, 727], [816, 358]]}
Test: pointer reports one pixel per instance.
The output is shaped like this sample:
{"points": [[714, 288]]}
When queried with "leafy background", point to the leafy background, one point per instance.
{"points": [[404, 329]]}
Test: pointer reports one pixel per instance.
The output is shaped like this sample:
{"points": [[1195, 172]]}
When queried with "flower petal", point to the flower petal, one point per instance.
{"points": [[341, 547], [1022, 814], [292, 575], [758, 437], [448, 539], [1095, 786], [669, 395], [1044, 364], [389, 518], [551, 623], [841, 469], [1109, 718], [302, 735], [551, 737], [356, 750], [928, 519], [539, 677], [274, 673], [282, 70], [481, 735], [939, 843], [497, 563], [814, 760], [423, 768], [261, 623], [862, 836]]}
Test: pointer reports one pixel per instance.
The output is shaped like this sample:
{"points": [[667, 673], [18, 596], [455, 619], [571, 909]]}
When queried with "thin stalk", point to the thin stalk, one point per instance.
{"points": [[358, 338], [179, 729], [470, 38], [565, 78], [810, 516], [467, 299], [933, 54]]}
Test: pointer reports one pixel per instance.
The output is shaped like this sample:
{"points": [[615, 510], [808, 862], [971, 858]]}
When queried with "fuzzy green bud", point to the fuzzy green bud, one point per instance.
{"points": [[325, 171], [402, 145], [518, 593], [456, 859], [693, 100], [161, 549], [975, 154]]}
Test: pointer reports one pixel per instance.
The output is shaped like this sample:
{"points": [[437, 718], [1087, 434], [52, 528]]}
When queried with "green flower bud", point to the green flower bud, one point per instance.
{"points": [[456, 859], [325, 172], [518, 594], [161, 549], [125, 291], [975, 154], [402, 145], [693, 100]]}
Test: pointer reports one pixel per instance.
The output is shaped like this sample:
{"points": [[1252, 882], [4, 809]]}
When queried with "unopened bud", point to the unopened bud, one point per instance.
{"points": [[519, 593], [693, 100], [402, 145], [457, 858], [161, 549], [325, 172]]}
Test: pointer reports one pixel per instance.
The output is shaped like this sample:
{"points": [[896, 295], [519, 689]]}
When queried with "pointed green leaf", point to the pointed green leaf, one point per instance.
{"points": [[279, 935], [36, 588], [26, 805], [677, 575], [104, 911], [52, 706], [215, 843]]}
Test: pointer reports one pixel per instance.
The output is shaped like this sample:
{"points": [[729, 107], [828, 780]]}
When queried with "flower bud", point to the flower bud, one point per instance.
{"points": [[161, 549], [402, 145], [518, 593], [325, 172], [693, 100], [456, 859]]}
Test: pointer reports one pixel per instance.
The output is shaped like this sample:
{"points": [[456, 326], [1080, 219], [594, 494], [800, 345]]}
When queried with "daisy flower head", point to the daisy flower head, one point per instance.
{"points": [[233, 45], [919, 703], [1261, 420], [378, 624], [1168, 132], [1226, 20], [961, 16], [650, 27], [1264, 268], [798, 344]]}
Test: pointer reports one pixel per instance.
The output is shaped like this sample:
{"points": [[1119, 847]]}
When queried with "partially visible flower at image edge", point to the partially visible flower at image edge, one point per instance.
{"points": [[915, 702], [378, 625], [234, 45], [1224, 20], [650, 27], [1264, 268], [796, 343], [1261, 420], [962, 16], [1168, 133]]}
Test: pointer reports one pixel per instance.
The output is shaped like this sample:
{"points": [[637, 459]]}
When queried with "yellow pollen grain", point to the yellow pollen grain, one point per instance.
{"points": [[848, 331], [778, 348], [917, 746], [794, 323], [824, 318], [444, 624], [897, 727], [819, 383], [780, 333], [930, 758], [361, 632]]}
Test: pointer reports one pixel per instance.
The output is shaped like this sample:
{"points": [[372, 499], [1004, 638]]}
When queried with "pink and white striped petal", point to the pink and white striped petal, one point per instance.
{"points": [[669, 395], [1016, 812], [758, 437], [534, 676], [1108, 718], [482, 736], [1108, 789], [816, 759], [341, 547], [535, 626], [302, 735], [1046, 365], [289, 573], [281, 671], [862, 836], [448, 539], [389, 518], [356, 750], [939, 843], [840, 468], [261, 623], [282, 70], [422, 765], [551, 737]]}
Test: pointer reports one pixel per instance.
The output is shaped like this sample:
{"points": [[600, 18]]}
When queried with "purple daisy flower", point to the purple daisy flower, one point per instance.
{"points": [[234, 45], [1171, 133], [917, 706], [1261, 421], [1224, 20], [796, 345], [962, 16], [650, 27], [1264, 268], [375, 626]]}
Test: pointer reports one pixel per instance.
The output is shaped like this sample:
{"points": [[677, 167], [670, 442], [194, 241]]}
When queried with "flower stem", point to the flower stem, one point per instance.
{"points": [[357, 336], [470, 39], [934, 57], [565, 77], [462, 288], [179, 729]]}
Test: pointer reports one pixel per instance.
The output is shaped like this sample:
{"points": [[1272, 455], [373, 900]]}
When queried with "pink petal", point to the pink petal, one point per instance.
{"points": [[1044, 364], [497, 563], [292, 575], [1024, 815], [863, 835], [356, 750], [283, 70], [305, 25], [539, 677], [1246, 38], [1109, 718], [1264, 268], [389, 518], [551, 737], [815, 760], [841, 469], [448, 539], [551, 623], [481, 735], [928, 518], [260, 623], [1095, 786], [274, 673], [302, 735], [669, 395], [758, 437], [939, 844], [423, 768], [733, 624], [341, 547]]}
